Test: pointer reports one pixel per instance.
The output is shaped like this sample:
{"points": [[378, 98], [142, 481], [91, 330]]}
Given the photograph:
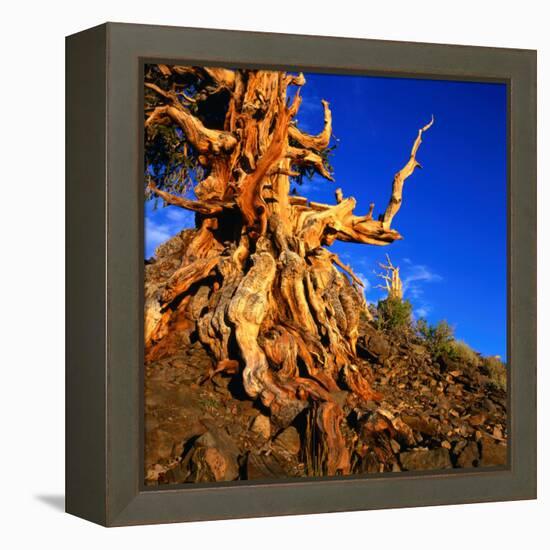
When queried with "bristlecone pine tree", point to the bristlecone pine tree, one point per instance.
{"points": [[258, 285], [393, 284]]}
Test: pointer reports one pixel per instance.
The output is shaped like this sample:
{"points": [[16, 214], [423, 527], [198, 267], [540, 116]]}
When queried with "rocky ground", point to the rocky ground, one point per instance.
{"points": [[435, 414]]}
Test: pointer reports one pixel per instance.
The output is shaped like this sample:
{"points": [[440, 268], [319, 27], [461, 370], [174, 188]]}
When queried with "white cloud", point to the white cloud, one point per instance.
{"points": [[363, 278], [183, 218], [422, 312], [417, 272], [414, 291], [415, 276], [155, 234], [164, 223]]}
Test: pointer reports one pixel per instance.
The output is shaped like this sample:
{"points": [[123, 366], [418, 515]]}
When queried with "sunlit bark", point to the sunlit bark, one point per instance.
{"points": [[258, 271]]}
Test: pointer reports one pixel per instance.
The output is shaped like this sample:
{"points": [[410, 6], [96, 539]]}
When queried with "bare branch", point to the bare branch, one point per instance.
{"points": [[393, 284], [223, 78], [347, 269], [202, 207], [306, 157], [164, 69], [321, 140], [157, 116], [203, 139], [399, 179], [296, 80]]}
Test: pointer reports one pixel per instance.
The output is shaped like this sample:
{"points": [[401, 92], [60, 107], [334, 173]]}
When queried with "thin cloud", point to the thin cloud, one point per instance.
{"points": [[163, 224], [363, 278], [415, 277], [422, 312], [180, 216], [155, 234], [419, 273]]}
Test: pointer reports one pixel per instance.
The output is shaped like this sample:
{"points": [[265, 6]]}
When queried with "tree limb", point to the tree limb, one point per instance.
{"points": [[347, 269], [392, 280], [203, 207], [306, 157], [399, 179], [223, 78], [203, 139], [325, 223], [321, 140]]}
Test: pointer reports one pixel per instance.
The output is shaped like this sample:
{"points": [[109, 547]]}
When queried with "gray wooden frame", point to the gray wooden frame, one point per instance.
{"points": [[105, 275]]}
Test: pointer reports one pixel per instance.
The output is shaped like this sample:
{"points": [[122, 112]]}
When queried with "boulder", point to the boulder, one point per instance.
{"points": [[288, 441], [212, 464], [214, 458], [374, 345], [260, 466], [493, 453], [261, 426], [423, 424], [435, 459], [469, 456]]}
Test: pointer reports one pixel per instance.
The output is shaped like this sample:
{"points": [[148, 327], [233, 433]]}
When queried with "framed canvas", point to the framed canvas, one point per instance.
{"points": [[271, 308]]}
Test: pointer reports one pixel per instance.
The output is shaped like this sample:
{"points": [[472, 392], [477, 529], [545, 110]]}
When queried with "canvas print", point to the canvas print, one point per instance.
{"points": [[325, 275]]}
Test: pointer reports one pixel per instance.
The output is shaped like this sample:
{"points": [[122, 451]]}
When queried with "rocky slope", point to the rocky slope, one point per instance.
{"points": [[201, 426]]}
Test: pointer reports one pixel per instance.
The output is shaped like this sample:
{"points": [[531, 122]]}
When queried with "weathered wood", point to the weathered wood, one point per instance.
{"points": [[281, 312], [392, 280], [399, 179]]}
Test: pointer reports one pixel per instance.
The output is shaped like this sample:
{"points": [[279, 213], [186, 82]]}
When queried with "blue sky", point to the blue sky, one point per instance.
{"points": [[453, 218]]}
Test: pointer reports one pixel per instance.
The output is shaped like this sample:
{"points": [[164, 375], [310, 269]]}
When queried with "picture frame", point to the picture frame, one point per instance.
{"points": [[104, 274]]}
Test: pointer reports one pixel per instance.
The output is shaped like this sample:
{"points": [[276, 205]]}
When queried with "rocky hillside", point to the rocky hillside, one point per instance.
{"points": [[438, 411]]}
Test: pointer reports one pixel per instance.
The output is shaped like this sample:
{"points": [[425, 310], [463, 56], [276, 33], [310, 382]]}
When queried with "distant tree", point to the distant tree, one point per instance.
{"points": [[466, 354], [496, 371], [392, 280], [438, 338], [394, 314]]}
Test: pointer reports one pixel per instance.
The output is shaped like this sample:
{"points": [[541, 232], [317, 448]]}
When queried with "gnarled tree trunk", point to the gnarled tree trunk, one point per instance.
{"points": [[392, 280], [257, 284]]}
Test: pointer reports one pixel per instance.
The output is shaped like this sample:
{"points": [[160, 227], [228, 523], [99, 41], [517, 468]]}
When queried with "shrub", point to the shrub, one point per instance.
{"points": [[439, 339], [465, 354], [394, 314], [496, 371]]}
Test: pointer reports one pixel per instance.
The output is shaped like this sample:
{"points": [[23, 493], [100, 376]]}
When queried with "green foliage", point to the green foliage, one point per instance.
{"points": [[169, 159], [496, 371], [465, 354], [308, 171], [394, 314], [439, 339]]}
